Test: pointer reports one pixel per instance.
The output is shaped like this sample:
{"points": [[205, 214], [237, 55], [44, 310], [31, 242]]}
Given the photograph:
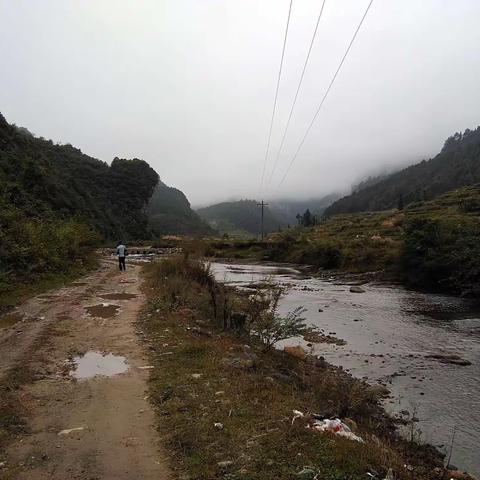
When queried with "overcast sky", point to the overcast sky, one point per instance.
{"points": [[188, 85]]}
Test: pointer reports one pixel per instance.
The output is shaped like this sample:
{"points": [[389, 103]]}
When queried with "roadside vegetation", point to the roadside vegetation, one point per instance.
{"points": [[428, 245], [225, 398], [36, 254]]}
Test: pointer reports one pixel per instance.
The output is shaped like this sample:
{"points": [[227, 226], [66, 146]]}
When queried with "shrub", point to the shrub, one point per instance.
{"points": [[442, 254], [30, 247], [264, 322]]}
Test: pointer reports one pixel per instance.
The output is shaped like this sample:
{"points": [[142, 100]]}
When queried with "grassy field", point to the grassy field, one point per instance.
{"points": [[225, 404]]}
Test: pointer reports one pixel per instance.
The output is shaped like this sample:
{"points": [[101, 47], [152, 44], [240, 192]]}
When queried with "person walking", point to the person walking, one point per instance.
{"points": [[121, 253]]}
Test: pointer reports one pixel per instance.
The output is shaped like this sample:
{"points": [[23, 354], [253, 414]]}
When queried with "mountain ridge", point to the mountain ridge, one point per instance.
{"points": [[455, 166]]}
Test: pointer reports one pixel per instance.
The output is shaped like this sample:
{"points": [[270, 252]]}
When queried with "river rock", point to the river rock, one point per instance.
{"points": [[451, 359], [296, 351], [357, 289]]}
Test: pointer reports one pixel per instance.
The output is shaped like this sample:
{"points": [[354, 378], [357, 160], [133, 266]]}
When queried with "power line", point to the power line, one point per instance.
{"points": [[276, 96], [326, 94], [298, 90]]}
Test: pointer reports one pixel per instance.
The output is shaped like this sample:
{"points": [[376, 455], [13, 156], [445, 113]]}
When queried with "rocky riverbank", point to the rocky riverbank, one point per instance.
{"points": [[227, 406]]}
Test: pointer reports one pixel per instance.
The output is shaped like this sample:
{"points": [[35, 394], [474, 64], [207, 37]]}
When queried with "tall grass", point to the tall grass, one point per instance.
{"points": [[187, 281]]}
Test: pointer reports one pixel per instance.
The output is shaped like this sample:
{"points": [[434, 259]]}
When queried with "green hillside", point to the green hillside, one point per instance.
{"points": [[457, 165], [41, 178], [169, 212], [241, 217], [56, 204]]}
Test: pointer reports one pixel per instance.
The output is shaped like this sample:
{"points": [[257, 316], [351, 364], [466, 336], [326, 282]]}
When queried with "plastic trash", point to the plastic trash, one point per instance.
{"points": [[307, 472], [218, 425], [297, 414], [70, 430], [335, 426]]}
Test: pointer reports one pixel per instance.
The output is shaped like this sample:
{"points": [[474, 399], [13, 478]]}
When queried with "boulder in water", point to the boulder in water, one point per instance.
{"points": [[357, 289], [448, 358]]}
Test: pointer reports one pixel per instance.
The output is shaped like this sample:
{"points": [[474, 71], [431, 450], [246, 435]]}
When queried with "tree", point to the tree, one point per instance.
{"points": [[308, 219]]}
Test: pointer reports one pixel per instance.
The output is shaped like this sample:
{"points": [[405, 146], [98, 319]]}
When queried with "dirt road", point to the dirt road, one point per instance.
{"points": [[114, 434]]}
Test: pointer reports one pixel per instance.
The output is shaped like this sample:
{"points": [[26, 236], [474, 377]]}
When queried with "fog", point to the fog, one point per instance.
{"points": [[188, 85]]}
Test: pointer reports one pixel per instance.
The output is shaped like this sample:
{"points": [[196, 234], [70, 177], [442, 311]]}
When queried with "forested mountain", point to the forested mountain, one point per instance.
{"points": [[56, 203], [457, 165], [241, 217], [169, 212], [41, 178]]}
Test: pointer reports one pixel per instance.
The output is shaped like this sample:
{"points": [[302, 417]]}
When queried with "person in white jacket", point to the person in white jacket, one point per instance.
{"points": [[121, 253]]}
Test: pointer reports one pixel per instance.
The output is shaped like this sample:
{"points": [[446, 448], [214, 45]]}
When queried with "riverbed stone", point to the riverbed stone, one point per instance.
{"points": [[357, 289], [449, 358], [296, 351]]}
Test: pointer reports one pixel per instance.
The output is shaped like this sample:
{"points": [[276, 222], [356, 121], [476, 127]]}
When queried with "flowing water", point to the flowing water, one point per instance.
{"points": [[390, 332]]}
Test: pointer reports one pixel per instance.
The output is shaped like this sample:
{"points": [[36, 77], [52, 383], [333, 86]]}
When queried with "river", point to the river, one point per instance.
{"points": [[390, 331]]}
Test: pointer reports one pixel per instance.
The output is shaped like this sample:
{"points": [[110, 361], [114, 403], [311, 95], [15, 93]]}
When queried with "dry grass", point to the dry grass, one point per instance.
{"points": [[205, 375]]}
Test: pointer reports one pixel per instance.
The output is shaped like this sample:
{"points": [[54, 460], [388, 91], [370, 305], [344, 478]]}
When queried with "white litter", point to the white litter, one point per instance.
{"points": [[146, 367], [297, 414], [335, 426], [70, 430], [196, 375], [218, 425]]}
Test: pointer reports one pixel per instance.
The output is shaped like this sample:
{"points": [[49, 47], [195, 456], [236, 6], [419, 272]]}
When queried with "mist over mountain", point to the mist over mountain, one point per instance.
{"points": [[289, 209], [457, 165], [241, 217]]}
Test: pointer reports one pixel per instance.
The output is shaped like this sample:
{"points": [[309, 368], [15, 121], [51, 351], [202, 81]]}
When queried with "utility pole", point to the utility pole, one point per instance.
{"points": [[263, 205]]}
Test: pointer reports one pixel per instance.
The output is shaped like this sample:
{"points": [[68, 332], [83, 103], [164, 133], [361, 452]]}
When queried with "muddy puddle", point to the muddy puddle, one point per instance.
{"points": [[424, 347], [103, 310], [94, 364], [118, 296], [10, 319]]}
